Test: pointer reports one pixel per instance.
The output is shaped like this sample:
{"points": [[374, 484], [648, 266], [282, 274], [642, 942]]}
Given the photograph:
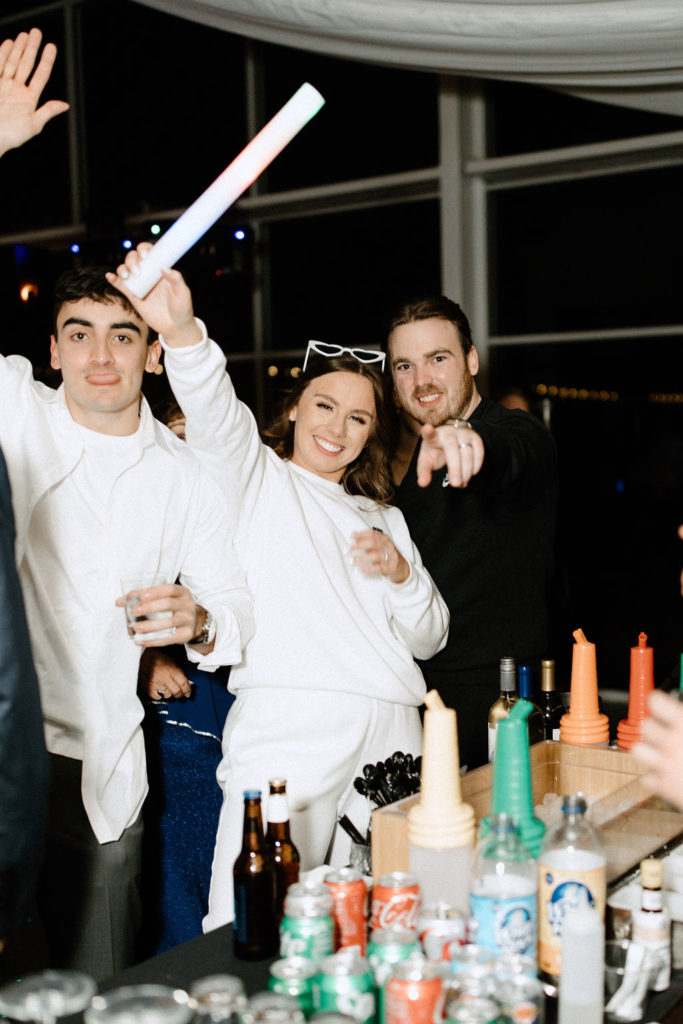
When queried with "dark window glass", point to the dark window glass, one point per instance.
{"points": [[526, 118], [588, 255], [621, 492], [164, 108], [375, 120], [35, 179], [334, 277]]}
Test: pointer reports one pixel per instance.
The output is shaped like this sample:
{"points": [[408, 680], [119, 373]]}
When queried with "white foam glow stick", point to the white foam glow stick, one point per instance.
{"points": [[228, 186]]}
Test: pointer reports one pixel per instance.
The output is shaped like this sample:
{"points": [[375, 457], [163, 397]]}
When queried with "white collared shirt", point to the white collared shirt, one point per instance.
{"points": [[79, 531]]}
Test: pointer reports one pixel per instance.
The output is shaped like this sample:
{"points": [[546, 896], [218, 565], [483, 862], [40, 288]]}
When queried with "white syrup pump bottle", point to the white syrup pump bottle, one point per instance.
{"points": [[441, 828]]}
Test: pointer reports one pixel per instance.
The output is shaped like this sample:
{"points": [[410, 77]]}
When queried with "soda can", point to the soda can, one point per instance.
{"points": [[272, 1008], [395, 901], [477, 1010], [414, 993], [522, 1000], [438, 925], [350, 908], [387, 947], [307, 928], [294, 977], [345, 985]]}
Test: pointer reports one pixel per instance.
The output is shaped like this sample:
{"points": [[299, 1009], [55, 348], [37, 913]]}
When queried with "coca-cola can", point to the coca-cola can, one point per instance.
{"points": [[350, 908], [438, 925], [395, 902], [414, 993]]}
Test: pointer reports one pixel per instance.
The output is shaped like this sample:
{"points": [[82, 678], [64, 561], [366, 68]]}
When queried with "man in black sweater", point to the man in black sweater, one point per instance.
{"points": [[479, 495]]}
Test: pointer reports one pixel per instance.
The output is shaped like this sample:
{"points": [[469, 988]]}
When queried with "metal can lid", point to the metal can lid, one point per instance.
{"points": [[344, 963], [343, 876], [308, 899], [294, 967], [397, 880], [441, 912], [416, 968], [392, 937]]}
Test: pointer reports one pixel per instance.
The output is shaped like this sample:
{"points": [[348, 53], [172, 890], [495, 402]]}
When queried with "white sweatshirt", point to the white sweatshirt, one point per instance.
{"points": [[321, 623]]}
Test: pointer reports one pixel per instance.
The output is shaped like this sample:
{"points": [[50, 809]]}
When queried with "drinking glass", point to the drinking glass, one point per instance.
{"points": [[47, 995], [134, 586], [140, 1004], [218, 999]]}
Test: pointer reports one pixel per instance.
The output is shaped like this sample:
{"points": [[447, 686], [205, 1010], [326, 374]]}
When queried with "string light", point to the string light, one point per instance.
{"points": [[28, 291], [75, 247]]}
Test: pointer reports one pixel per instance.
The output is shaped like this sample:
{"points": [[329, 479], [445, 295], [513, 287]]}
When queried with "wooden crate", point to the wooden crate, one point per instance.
{"points": [[631, 823]]}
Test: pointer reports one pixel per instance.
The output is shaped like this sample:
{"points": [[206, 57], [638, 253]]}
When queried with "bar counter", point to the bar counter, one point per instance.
{"points": [[212, 954]]}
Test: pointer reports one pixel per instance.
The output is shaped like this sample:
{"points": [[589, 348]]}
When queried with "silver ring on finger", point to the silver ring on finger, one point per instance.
{"points": [[386, 558], [465, 444]]}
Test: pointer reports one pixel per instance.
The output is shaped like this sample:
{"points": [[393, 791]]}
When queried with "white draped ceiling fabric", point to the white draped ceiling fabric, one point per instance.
{"points": [[628, 52]]}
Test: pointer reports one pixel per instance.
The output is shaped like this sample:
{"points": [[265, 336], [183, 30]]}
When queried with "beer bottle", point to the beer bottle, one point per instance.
{"points": [[255, 934], [285, 854]]}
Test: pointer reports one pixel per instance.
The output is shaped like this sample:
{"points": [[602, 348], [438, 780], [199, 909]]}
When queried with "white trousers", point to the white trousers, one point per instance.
{"points": [[319, 742]]}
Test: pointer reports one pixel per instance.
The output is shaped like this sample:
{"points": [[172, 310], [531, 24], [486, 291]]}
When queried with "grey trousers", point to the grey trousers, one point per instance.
{"points": [[89, 897]]}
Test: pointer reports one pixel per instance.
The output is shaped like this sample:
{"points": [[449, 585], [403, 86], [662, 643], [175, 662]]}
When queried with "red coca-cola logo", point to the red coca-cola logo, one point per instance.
{"points": [[400, 911]]}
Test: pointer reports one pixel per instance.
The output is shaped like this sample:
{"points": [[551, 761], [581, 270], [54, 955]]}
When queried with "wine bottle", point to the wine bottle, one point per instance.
{"points": [[549, 701], [535, 722], [500, 708]]}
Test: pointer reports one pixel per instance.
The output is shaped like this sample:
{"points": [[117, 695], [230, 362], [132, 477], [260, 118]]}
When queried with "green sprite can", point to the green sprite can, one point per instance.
{"points": [[345, 985], [294, 977], [307, 928], [386, 948]]}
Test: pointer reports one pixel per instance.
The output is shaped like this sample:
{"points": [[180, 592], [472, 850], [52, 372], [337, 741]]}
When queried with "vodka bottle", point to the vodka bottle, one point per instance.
{"points": [[571, 873], [503, 896]]}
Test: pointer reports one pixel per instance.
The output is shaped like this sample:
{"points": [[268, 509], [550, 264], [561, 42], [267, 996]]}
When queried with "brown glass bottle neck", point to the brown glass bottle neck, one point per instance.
{"points": [[252, 833]]}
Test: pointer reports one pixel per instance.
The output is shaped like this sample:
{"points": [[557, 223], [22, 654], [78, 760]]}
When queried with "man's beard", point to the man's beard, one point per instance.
{"points": [[458, 404]]}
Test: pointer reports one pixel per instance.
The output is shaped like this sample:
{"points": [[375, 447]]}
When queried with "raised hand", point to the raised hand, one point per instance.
{"points": [[20, 116], [167, 308]]}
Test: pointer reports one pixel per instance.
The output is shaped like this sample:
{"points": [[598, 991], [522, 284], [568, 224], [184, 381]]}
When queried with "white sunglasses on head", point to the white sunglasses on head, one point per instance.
{"points": [[363, 355]]}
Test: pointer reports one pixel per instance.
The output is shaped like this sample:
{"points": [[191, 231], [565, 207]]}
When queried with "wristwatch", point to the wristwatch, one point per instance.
{"points": [[208, 632]]}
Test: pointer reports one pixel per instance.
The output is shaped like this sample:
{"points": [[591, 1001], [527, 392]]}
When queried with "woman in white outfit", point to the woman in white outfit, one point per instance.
{"points": [[343, 604]]}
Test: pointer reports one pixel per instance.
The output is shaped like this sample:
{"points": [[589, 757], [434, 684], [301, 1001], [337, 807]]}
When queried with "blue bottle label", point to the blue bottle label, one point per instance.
{"points": [[506, 925]]}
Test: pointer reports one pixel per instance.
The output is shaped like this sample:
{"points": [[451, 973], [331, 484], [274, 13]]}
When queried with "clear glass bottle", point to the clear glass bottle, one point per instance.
{"points": [[255, 933], [503, 894], [571, 873], [651, 925], [500, 708], [535, 722], [285, 854], [549, 701]]}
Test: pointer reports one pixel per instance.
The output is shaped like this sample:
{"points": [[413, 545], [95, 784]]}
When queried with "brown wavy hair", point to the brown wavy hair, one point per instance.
{"points": [[369, 475]]}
